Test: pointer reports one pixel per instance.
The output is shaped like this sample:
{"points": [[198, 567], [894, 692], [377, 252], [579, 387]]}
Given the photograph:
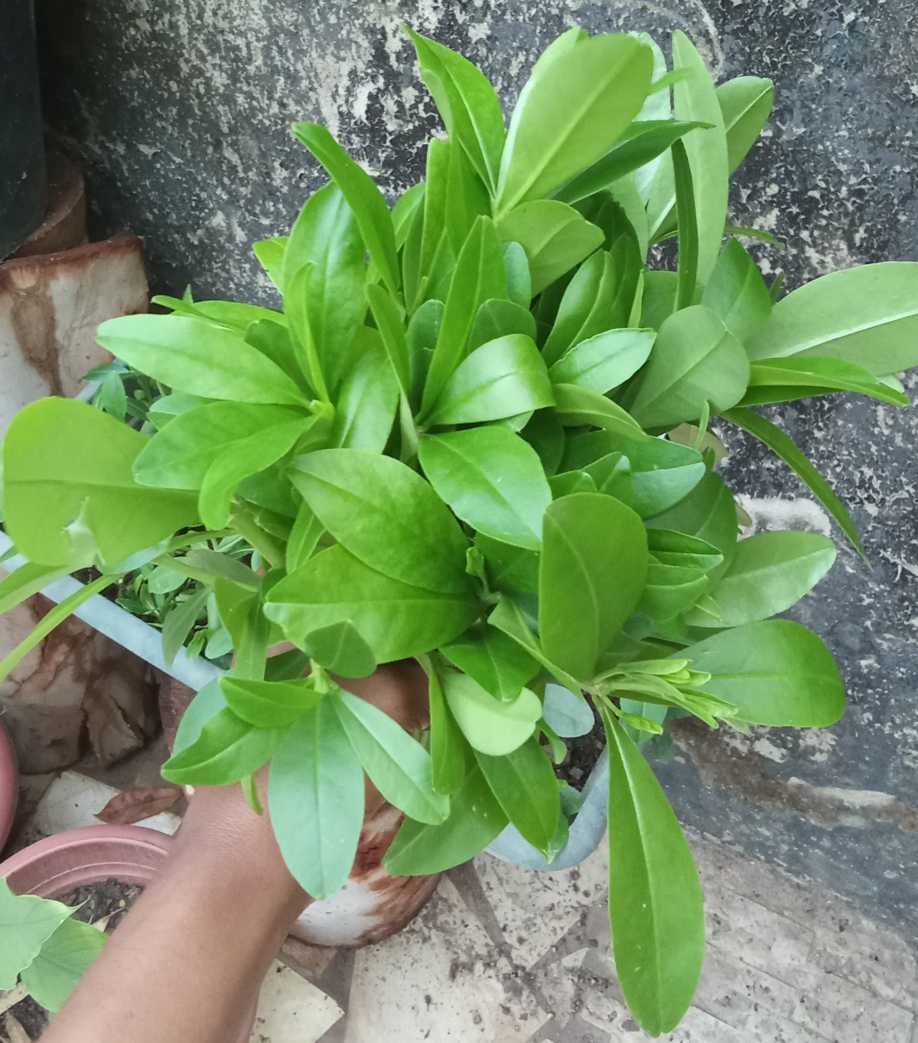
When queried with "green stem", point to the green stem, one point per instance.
{"points": [[269, 548]]}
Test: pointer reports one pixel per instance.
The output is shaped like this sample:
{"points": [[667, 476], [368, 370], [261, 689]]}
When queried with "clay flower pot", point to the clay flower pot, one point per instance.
{"points": [[372, 905], [9, 785]]}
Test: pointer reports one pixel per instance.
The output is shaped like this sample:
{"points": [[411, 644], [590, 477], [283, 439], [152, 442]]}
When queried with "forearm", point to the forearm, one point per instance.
{"points": [[187, 961]]}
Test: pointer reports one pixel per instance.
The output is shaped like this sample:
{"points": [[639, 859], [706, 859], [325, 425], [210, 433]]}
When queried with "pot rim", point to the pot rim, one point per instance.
{"points": [[9, 784]]}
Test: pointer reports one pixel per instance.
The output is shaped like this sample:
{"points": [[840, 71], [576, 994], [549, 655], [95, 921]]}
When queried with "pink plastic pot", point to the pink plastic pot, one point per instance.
{"points": [[9, 785], [53, 867]]}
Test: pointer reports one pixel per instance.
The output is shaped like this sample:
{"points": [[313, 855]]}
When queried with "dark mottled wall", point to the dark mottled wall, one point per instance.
{"points": [[180, 109]]}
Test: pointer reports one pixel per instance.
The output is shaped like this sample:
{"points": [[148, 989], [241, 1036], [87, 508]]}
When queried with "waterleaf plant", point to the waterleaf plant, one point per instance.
{"points": [[475, 433]]}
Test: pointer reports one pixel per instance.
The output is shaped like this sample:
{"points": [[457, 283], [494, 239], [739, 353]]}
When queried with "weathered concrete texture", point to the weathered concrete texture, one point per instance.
{"points": [[180, 110]]}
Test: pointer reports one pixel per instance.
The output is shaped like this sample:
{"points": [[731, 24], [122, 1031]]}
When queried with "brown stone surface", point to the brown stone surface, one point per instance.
{"points": [[64, 225]]}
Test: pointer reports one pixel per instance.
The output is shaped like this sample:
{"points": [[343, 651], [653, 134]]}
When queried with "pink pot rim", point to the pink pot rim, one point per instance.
{"points": [[53, 866], [9, 785]]}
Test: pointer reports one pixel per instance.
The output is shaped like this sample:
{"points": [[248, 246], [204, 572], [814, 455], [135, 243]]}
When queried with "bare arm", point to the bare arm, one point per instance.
{"points": [[188, 960]]}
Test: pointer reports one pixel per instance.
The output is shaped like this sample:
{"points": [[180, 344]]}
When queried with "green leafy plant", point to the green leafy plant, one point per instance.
{"points": [[476, 434], [44, 947]]}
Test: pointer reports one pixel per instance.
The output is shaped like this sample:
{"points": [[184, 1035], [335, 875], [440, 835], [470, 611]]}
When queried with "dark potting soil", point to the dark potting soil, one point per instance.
{"points": [[583, 753], [108, 898]]}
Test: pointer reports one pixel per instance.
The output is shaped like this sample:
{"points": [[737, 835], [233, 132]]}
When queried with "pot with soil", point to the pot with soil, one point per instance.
{"points": [[9, 785], [475, 435]]}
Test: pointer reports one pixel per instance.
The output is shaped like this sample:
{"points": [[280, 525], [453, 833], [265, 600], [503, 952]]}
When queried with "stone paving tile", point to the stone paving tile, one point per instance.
{"points": [[291, 1010], [735, 993], [846, 1013]]}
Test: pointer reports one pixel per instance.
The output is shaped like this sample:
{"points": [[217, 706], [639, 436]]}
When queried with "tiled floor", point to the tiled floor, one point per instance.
{"points": [[501, 956]]}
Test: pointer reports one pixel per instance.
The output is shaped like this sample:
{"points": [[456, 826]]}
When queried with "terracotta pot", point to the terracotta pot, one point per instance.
{"points": [[9, 785], [372, 905], [55, 866]]}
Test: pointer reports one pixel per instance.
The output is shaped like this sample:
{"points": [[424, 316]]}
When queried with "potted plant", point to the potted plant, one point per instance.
{"points": [[477, 436]]}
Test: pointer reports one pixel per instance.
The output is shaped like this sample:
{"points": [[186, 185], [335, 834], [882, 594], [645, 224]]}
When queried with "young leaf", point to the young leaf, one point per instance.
{"points": [[239, 460], [490, 725], [786, 379], [68, 491], [554, 235], [447, 743], [568, 714], [592, 572], [367, 398], [546, 435], [395, 619], [866, 315], [195, 356], [689, 232], [769, 573], [604, 361], [655, 900], [386, 515], [468, 105], [496, 319], [340, 649], [526, 788], [25, 581], [492, 659], [785, 447], [586, 305], [362, 196], [502, 378], [671, 589], [581, 407], [270, 255], [519, 277], [695, 360], [491, 479], [64, 958], [479, 275], [180, 622], [390, 323], [775, 672], [746, 103], [269, 704], [575, 105], [509, 568], [304, 537], [226, 750], [737, 292], [475, 819], [28, 923], [397, 764], [207, 703], [316, 801]]}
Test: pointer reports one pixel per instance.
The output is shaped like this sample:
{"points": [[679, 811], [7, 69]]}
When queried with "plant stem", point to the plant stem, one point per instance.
{"points": [[266, 545]]}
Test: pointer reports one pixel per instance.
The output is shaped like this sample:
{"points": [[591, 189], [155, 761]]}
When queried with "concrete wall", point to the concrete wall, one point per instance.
{"points": [[180, 110]]}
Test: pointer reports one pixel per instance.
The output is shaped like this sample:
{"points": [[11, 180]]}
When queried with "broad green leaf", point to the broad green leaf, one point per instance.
{"points": [[491, 479], [737, 292], [592, 572], [270, 255], [195, 356], [695, 360], [475, 819], [708, 512], [397, 764], [571, 482], [479, 276], [367, 399], [497, 319], [568, 714], [447, 743], [497, 663], [546, 435], [582, 407], [866, 315], [695, 100], [502, 378], [304, 537], [165, 409], [180, 621], [422, 333], [775, 672], [242, 613], [27, 923], [235, 314], [386, 515], [508, 617], [340, 648], [604, 361], [525, 786], [326, 236], [689, 231], [68, 490], [27, 580], [214, 564], [296, 301], [666, 544], [655, 902], [554, 235], [269, 704], [769, 573], [586, 306], [239, 460], [641, 143], [793, 377], [468, 105], [390, 323], [363, 197], [785, 447], [491, 725], [575, 105], [316, 801], [659, 301], [226, 750], [207, 703], [64, 958], [395, 619], [671, 589], [428, 252], [406, 207], [509, 568], [179, 455], [519, 277], [746, 103]]}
